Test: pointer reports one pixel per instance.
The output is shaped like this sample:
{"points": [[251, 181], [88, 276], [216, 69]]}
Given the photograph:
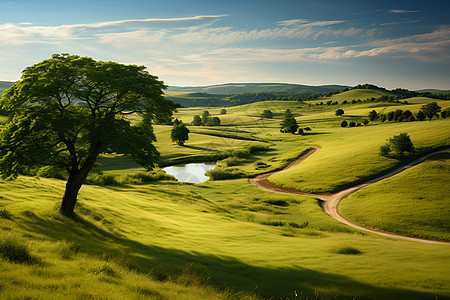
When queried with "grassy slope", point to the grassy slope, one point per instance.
{"points": [[411, 203], [187, 233]]}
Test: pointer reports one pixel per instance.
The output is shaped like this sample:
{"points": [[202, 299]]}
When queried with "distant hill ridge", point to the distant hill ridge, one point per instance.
{"points": [[237, 88]]}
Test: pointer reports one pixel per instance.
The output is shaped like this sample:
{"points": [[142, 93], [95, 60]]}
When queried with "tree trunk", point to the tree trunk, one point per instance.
{"points": [[73, 185]]}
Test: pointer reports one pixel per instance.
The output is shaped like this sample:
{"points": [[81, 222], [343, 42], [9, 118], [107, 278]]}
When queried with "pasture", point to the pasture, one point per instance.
{"points": [[227, 239]]}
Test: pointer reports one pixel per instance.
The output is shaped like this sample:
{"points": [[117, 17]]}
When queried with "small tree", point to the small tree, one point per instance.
{"points": [[401, 143], [339, 112], [373, 115], [179, 133], [390, 116], [344, 124], [431, 109], [267, 114], [213, 121], [205, 116], [352, 124], [223, 111], [420, 116], [365, 122], [300, 131], [289, 124], [196, 121]]}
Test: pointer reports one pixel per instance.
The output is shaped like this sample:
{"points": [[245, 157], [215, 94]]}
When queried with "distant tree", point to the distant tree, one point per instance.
{"points": [[300, 131], [373, 115], [196, 121], [420, 116], [390, 116], [401, 143], [445, 113], [205, 116], [67, 110], [431, 109], [365, 122], [213, 121], [344, 102], [352, 124], [179, 133], [307, 129], [176, 122], [267, 114], [398, 115], [382, 117], [223, 111], [289, 124], [339, 112], [344, 124], [407, 114]]}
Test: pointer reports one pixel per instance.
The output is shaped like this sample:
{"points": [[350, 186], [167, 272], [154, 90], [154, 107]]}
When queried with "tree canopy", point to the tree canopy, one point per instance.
{"points": [[289, 124], [430, 109], [68, 109], [179, 133]]}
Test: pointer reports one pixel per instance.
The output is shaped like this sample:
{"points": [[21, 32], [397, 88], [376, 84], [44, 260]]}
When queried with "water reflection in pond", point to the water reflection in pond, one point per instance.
{"points": [[194, 172]]}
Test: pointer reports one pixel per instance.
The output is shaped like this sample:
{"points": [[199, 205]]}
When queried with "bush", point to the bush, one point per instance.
{"points": [[223, 111], [273, 223], [15, 250], [352, 124], [51, 172], [385, 149], [141, 177], [346, 250], [300, 131], [344, 124], [232, 161], [365, 122], [258, 148], [296, 225], [278, 203], [339, 112], [100, 179], [219, 173]]}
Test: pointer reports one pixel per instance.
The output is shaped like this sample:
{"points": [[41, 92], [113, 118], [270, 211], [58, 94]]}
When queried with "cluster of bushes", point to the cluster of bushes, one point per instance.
{"points": [[206, 119], [136, 178], [220, 173], [354, 124], [428, 110]]}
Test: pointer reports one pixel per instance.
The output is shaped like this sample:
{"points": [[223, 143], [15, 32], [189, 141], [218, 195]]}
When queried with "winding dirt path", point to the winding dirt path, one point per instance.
{"points": [[331, 201]]}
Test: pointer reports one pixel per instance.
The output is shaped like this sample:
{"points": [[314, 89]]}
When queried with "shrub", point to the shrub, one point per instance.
{"points": [[223, 111], [278, 203], [232, 161], [365, 122], [352, 124], [300, 131], [383, 118], [296, 225], [219, 173], [339, 112], [346, 250], [385, 149], [15, 250], [51, 172], [258, 148], [344, 124], [273, 223], [141, 177], [261, 165]]}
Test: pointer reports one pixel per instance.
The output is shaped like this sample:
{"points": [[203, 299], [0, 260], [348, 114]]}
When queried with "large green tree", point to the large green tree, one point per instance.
{"points": [[68, 109], [430, 109]]}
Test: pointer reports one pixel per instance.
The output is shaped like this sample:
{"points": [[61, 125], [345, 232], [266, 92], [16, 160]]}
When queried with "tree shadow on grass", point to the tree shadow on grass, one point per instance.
{"points": [[221, 272]]}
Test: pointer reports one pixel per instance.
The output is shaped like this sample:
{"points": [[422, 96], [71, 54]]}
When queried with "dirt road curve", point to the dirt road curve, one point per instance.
{"points": [[331, 201]]}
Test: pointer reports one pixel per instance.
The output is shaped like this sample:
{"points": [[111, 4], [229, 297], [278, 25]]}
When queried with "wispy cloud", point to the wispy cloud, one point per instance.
{"points": [[402, 11]]}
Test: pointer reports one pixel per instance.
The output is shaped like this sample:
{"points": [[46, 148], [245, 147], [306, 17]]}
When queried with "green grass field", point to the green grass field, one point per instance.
{"points": [[410, 203], [200, 241], [228, 239]]}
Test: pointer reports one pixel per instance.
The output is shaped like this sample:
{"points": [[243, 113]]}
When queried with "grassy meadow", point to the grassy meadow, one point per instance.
{"points": [[227, 239], [410, 203]]}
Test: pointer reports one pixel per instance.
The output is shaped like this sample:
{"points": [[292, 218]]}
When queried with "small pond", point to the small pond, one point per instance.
{"points": [[194, 172]]}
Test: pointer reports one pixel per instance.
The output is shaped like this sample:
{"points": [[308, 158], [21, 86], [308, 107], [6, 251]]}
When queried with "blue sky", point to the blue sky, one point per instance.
{"points": [[187, 43]]}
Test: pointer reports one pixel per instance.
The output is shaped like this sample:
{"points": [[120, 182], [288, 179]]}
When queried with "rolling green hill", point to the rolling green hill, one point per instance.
{"points": [[236, 88]]}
